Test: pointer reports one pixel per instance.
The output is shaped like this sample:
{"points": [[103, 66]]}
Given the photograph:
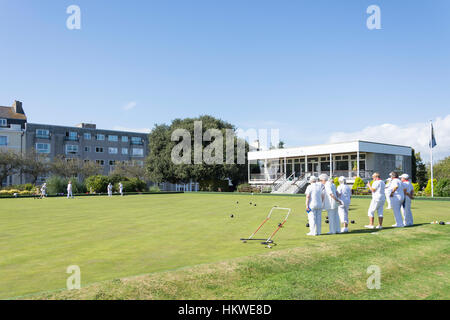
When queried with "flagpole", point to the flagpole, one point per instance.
{"points": [[431, 156]]}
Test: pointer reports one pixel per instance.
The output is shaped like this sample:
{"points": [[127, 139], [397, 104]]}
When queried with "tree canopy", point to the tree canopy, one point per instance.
{"points": [[161, 168]]}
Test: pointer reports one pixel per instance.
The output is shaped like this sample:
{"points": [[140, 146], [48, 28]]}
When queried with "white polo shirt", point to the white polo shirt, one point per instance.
{"points": [[399, 193], [314, 191], [345, 193], [378, 194], [330, 203], [408, 186]]}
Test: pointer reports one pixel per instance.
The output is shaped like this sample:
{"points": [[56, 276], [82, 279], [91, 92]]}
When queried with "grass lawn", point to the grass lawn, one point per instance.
{"points": [[187, 246]]}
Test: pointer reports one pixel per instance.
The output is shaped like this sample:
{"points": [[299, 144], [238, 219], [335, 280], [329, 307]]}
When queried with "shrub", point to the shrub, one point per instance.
{"points": [[443, 187], [245, 187], [214, 185], [358, 183], [336, 181], [26, 193], [154, 189], [427, 190], [416, 187], [133, 185], [97, 184], [57, 184]]}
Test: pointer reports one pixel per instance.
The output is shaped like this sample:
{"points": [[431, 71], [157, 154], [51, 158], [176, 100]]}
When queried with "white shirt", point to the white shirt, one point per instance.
{"points": [[408, 186], [387, 187], [69, 187], [378, 194], [399, 193], [345, 193], [314, 191], [330, 203]]}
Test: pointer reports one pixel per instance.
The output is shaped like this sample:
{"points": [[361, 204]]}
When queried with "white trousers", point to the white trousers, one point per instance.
{"points": [[388, 199], [69, 194], [376, 206], [315, 221], [407, 213], [343, 213], [335, 224], [396, 203]]}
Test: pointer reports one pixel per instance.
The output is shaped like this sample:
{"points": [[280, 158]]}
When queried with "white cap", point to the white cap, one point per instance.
{"points": [[404, 176], [323, 177], [342, 179], [312, 179]]}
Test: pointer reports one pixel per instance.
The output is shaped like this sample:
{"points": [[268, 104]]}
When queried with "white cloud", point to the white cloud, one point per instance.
{"points": [[139, 130], [130, 105], [416, 135]]}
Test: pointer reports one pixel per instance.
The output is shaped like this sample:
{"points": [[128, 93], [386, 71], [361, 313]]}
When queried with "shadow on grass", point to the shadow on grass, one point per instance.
{"points": [[365, 230]]}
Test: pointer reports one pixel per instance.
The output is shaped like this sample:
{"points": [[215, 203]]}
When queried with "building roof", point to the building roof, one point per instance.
{"points": [[333, 148], [8, 113]]}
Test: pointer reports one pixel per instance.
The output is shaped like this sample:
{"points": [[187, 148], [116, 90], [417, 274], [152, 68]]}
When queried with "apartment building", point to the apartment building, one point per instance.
{"points": [[86, 142], [12, 134]]}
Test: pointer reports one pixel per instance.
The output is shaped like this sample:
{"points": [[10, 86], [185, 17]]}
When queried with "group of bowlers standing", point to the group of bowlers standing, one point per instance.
{"points": [[322, 194], [70, 193]]}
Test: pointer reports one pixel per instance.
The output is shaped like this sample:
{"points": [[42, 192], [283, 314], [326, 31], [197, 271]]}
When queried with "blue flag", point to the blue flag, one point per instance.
{"points": [[433, 140]]}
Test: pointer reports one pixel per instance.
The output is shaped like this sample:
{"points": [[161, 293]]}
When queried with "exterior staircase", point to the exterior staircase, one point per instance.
{"points": [[291, 185]]}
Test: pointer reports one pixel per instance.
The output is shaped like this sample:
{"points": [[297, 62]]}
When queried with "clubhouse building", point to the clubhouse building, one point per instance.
{"points": [[287, 170]]}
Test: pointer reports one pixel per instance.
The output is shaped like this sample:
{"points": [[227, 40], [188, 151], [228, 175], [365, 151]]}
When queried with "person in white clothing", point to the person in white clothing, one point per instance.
{"points": [[330, 204], [314, 204], [121, 188], [69, 190], [344, 194], [387, 192], [397, 196], [44, 190], [378, 199], [409, 195], [110, 190]]}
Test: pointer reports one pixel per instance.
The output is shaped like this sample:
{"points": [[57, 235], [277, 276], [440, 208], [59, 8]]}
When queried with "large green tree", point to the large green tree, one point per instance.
{"points": [[34, 165], [441, 170], [161, 167], [419, 170]]}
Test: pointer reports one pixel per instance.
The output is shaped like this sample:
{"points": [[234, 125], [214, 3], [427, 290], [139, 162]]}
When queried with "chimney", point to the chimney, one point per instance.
{"points": [[17, 107]]}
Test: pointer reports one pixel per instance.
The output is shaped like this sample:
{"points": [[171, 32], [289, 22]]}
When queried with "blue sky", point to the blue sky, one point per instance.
{"points": [[311, 69]]}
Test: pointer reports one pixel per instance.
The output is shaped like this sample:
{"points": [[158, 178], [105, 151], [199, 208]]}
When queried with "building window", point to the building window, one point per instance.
{"points": [[100, 162], [99, 149], [353, 157], [113, 138], [3, 140], [139, 163], [399, 163], [87, 149], [342, 165], [112, 150], [72, 136], [42, 147], [125, 151], [100, 137], [71, 149], [138, 152], [42, 133], [87, 136], [112, 162], [124, 139], [3, 123], [136, 140]]}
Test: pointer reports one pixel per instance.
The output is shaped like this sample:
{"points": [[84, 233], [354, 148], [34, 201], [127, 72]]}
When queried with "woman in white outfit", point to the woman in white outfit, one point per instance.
{"points": [[397, 196], [409, 195], [331, 203], [314, 204], [377, 204], [387, 192], [344, 194]]}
